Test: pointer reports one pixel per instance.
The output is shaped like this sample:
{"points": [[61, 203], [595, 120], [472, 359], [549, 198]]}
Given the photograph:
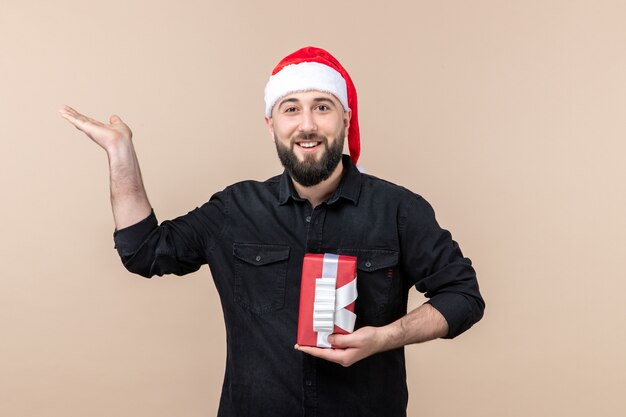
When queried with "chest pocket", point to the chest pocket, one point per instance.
{"points": [[376, 270], [260, 274]]}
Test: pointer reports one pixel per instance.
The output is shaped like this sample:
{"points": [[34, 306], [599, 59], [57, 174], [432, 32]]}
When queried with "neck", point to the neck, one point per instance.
{"points": [[320, 192]]}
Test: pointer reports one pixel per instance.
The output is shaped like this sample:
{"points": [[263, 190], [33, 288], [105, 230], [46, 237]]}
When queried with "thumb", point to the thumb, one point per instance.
{"points": [[340, 340], [115, 119]]}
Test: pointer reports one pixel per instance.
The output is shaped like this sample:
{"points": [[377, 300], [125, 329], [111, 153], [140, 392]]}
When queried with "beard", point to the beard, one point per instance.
{"points": [[310, 171]]}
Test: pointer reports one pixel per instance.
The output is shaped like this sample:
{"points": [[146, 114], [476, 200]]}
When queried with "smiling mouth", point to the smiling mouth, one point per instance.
{"points": [[308, 144]]}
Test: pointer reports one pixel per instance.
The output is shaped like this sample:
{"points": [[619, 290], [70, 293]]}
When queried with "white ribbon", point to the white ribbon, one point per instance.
{"points": [[330, 302]]}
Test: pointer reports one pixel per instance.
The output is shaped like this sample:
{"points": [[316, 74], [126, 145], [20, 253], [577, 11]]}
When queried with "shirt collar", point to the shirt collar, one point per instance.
{"points": [[349, 186]]}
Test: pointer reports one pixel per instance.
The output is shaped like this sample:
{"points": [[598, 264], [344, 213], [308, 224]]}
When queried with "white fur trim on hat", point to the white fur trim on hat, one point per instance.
{"points": [[303, 77]]}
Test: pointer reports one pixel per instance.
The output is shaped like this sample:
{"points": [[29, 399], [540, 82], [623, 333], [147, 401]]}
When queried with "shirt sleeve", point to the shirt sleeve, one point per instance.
{"points": [[179, 246], [434, 263]]}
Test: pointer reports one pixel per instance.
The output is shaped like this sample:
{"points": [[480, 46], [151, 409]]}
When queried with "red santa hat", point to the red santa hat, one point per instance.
{"points": [[312, 68]]}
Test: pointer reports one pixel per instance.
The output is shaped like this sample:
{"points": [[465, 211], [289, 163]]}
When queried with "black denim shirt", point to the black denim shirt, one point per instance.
{"points": [[254, 235]]}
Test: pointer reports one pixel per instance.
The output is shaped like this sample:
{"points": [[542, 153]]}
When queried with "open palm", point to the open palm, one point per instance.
{"points": [[105, 135]]}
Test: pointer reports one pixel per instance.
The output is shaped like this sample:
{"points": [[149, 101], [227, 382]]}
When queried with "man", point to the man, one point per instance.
{"points": [[254, 235]]}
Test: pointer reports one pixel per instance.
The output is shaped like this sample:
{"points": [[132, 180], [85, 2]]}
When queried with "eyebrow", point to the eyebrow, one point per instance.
{"points": [[288, 100], [323, 99]]}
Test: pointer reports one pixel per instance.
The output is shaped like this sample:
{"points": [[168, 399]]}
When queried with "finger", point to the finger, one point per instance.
{"points": [[71, 112], [342, 340], [344, 357], [313, 349], [115, 119], [78, 122], [327, 354], [89, 126], [68, 110], [65, 108]]}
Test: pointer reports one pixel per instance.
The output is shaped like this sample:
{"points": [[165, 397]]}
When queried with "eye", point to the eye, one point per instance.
{"points": [[323, 107], [290, 109]]}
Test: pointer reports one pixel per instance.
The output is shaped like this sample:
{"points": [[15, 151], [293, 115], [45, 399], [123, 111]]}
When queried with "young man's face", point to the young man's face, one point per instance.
{"points": [[309, 130]]}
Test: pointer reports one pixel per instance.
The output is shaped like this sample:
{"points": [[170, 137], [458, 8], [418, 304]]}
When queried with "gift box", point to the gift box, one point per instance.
{"points": [[327, 296]]}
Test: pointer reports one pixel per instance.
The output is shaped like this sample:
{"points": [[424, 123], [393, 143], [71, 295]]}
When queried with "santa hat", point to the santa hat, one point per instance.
{"points": [[313, 68]]}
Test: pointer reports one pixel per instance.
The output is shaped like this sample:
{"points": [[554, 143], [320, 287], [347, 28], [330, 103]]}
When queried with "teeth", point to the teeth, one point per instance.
{"points": [[308, 144]]}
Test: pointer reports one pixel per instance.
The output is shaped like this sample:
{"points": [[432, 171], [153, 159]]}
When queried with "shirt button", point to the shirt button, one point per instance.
{"points": [[308, 382], [308, 219], [258, 258], [367, 264]]}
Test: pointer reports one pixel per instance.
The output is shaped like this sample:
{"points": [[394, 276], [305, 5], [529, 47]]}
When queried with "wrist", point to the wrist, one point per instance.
{"points": [[119, 148], [121, 153], [390, 336]]}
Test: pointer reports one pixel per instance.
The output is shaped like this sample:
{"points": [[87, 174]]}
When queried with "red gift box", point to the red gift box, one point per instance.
{"points": [[327, 296]]}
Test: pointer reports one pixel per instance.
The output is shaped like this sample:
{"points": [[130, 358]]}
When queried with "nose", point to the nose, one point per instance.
{"points": [[307, 122]]}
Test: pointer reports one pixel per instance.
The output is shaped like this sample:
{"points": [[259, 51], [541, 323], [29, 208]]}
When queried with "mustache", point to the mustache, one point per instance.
{"points": [[310, 136]]}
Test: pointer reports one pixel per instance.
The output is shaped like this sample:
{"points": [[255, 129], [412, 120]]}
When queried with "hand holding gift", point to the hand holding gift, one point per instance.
{"points": [[327, 297], [349, 348]]}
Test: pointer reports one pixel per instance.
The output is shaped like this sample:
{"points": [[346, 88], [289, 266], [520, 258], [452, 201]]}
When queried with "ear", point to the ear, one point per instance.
{"points": [[347, 115], [270, 126]]}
